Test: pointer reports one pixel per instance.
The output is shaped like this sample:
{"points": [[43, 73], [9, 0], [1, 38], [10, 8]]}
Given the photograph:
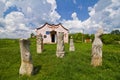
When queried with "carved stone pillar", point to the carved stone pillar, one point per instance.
{"points": [[60, 45], [71, 48], [26, 67], [39, 43], [97, 49]]}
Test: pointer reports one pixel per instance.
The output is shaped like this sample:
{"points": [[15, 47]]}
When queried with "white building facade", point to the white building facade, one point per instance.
{"points": [[49, 32]]}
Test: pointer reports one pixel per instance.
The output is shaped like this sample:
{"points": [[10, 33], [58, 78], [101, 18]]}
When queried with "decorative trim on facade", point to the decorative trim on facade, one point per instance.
{"points": [[53, 26]]}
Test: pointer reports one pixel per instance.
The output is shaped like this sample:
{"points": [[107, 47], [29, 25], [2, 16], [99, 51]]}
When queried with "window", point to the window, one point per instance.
{"points": [[45, 36], [47, 32]]}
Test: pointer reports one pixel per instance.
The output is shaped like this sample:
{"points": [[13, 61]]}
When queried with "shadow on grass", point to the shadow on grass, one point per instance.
{"points": [[36, 69]]}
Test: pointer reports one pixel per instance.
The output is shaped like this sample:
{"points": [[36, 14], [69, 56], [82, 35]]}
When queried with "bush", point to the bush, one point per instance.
{"points": [[110, 38], [76, 36]]}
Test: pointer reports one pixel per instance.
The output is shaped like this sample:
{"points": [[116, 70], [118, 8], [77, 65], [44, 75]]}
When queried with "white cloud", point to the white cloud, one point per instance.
{"points": [[1, 8], [15, 26], [30, 12], [53, 3], [14, 20], [92, 11], [104, 14], [8, 4], [74, 25], [74, 16]]}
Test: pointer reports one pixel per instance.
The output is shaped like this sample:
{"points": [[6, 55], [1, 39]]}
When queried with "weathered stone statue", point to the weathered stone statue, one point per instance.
{"points": [[71, 48], [60, 45], [97, 49], [39, 43], [26, 67]]}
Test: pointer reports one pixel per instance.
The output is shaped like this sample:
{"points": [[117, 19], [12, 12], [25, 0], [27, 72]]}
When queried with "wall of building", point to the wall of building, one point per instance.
{"points": [[46, 29]]}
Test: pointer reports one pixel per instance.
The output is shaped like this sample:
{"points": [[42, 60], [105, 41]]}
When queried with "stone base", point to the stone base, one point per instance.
{"points": [[96, 61], [60, 54], [26, 68], [39, 49], [72, 49]]}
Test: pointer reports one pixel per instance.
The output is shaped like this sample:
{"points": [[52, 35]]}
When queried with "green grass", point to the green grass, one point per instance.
{"points": [[74, 66]]}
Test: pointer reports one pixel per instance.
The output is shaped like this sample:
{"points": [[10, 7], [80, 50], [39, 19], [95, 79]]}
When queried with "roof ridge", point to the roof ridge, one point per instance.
{"points": [[52, 25]]}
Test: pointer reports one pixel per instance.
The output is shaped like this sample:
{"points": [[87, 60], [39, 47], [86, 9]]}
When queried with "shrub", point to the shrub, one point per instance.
{"points": [[110, 38]]}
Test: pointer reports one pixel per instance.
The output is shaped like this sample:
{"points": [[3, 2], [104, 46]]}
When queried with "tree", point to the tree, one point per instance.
{"points": [[110, 38], [77, 37], [115, 32], [86, 36], [32, 35]]}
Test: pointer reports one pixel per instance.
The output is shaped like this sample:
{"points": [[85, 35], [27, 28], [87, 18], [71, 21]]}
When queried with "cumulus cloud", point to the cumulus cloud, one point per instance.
{"points": [[1, 8], [25, 16], [15, 26], [74, 16], [104, 14], [30, 14], [74, 25]]}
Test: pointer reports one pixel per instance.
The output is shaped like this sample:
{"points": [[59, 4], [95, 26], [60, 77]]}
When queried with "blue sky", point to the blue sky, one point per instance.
{"points": [[66, 7], [10, 9], [20, 18]]}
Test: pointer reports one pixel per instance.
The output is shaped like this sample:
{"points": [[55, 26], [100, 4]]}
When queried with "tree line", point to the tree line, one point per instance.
{"points": [[111, 38]]}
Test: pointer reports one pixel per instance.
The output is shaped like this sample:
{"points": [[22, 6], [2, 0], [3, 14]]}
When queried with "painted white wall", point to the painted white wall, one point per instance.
{"points": [[46, 27]]}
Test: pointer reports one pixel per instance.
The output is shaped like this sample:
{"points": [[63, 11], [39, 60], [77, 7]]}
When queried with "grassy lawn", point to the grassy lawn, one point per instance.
{"points": [[74, 66]]}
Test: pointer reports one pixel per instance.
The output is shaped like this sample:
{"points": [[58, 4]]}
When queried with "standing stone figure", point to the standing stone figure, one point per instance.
{"points": [[39, 43], [26, 67], [71, 48], [60, 45], [97, 49]]}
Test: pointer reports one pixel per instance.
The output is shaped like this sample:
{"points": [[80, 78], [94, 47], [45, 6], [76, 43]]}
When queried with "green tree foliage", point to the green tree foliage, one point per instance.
{"points": [[86, 36], [78, 37], [32, 35], [92, 37], [115, 32], [110, 38], [106, 38]]}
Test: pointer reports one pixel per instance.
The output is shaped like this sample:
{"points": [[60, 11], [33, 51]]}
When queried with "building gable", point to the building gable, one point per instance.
{"points": [[50, 31], [52, 26]]}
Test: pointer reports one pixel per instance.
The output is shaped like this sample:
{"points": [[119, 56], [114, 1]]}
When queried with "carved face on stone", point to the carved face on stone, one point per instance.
{"points": [[25, 50], [27, 55]]}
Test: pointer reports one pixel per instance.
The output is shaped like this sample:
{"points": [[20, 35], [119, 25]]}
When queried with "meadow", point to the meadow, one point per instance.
{"points": [[74, 66]]}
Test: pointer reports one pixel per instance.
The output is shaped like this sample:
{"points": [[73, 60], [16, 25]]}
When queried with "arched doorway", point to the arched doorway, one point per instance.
{"points": [[53, 35]]}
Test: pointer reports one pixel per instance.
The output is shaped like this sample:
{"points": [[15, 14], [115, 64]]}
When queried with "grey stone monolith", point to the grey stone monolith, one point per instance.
{"points": [[60, 45], [26, 67], [39, 43], [97, 49], [71, 47]]}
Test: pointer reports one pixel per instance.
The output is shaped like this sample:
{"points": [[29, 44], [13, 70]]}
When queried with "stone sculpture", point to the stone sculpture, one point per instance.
{"points": [[26, 67], [60, 45], [71, 48], [97, 49], [39, 43]]}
